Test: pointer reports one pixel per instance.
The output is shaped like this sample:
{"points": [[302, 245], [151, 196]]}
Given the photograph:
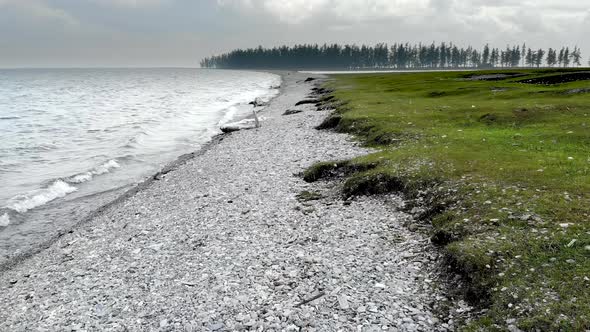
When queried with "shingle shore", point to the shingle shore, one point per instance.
{"points": [[222, 243]]}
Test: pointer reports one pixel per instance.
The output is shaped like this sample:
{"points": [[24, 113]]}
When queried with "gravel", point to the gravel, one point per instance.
{"points": [[221, 243]]}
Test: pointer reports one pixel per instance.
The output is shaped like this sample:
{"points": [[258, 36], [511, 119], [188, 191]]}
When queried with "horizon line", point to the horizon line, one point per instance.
{"points": [[98, 67]]}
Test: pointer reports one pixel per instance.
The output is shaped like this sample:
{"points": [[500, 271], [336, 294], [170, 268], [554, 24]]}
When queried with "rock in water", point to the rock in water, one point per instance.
{"points": [[240, 125], [258, 102]]}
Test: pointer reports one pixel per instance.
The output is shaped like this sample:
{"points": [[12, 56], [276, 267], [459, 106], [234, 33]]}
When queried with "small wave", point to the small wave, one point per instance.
{"points": [[87, 176], [26, 202], [80, 178], [223, 99], [229, 115], [37, 148], [9, 117], [136, 141], [4, 220], [106, 167]]}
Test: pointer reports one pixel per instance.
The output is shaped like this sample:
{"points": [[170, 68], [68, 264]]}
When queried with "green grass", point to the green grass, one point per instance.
{"points": [[505, 168]]}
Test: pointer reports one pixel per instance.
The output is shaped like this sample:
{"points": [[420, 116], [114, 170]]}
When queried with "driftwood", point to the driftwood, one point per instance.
{"points": [[315, 297], [256, 121], [242, 125], [229, 128]]}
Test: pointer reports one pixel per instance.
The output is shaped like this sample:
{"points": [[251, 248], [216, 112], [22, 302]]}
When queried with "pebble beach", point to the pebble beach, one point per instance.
{"points": [[220, 241]]}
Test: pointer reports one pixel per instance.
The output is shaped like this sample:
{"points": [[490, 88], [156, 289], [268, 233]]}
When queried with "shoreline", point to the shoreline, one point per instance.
{"points": [[19, 258], [133, 188], [227, 239]]}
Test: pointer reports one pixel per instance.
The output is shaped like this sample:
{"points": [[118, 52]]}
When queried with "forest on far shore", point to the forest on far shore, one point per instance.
{"points": [[397, 56]]}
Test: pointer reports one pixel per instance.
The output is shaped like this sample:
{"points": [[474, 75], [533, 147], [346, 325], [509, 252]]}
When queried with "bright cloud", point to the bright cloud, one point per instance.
{"points": [[298, 11], [40, 10]]}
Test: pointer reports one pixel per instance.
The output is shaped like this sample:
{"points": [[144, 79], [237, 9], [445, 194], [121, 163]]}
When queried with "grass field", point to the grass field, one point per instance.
{"points": [[500, 161]]}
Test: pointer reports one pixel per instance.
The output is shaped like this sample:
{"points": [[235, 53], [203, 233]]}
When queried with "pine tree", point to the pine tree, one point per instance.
{"points": [[476, 57], [529, 60], [539, 58], [551, 57], [560, 57], [566, 57], [495, 57], [485, 56], [443, 55], [515, 56], [523, 50], [576, 56]]}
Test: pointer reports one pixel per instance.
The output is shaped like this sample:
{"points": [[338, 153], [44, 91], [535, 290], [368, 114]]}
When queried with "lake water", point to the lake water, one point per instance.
{"points": [[70, 140]]}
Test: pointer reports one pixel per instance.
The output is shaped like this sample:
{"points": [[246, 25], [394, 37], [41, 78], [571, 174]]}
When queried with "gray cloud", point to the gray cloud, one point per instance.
{"points": [[38, 10], [180, 32], [541, 23]]}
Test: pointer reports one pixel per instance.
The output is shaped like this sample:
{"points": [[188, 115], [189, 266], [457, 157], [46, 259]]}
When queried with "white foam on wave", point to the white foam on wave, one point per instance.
{"points": [[4, 220], [80, 178], [174, 118], [263, 93], [102, 169], [26, 202], [229, 116], [57, 189]]}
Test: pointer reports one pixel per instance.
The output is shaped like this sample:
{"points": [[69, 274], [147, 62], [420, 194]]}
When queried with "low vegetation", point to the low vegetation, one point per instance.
{"points": [[499, 163], [306, 196]]}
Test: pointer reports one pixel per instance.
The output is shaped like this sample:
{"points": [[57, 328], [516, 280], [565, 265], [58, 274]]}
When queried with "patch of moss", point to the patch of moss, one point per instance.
{"points": [[323, 170], [334, 169], [306, 196], [330, 122], [372, 183]]}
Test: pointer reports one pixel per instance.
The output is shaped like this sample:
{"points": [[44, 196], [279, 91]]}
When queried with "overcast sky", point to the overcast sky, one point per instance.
{"points": [[80, 33]]}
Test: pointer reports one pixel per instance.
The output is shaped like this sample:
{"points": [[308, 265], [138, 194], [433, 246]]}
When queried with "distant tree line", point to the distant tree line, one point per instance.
{"points": [[396, 56]]}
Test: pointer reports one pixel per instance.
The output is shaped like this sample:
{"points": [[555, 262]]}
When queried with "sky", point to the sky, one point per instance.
{"points": [[178, 33]]}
